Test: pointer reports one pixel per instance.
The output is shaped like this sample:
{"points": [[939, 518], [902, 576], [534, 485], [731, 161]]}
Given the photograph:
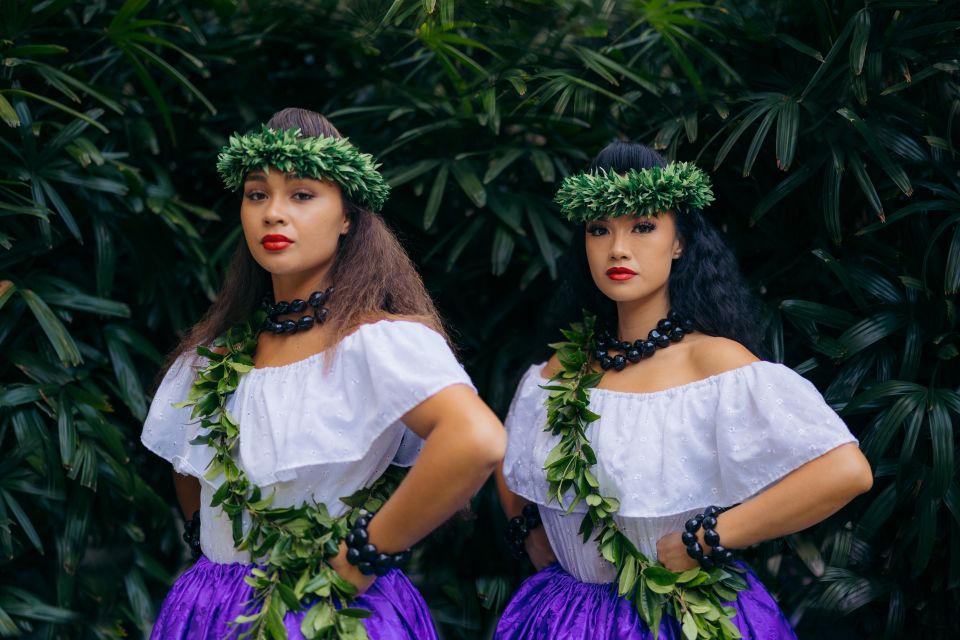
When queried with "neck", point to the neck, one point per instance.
{"points": [[637, 317], [291, 286]]}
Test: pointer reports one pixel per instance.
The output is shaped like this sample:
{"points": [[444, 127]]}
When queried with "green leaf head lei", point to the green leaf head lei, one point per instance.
{"points": [[320, 157], [677, 187]]}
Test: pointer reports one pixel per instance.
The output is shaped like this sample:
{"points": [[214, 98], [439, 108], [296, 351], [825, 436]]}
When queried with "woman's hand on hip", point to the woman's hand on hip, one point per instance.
{"points": [[672, 553], [349, 572], [539, 549]]}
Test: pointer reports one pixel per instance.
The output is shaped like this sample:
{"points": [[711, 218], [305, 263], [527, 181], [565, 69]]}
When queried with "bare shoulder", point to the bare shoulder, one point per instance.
{"points": [[712, 355], [551, 368]]}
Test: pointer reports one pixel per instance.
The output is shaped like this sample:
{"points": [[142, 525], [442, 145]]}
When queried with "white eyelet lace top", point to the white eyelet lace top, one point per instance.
{"points": [[310, 430], [667, 455]]}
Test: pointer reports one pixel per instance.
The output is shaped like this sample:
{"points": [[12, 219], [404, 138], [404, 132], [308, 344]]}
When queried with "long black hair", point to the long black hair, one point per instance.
{"points": [[705, 283]]}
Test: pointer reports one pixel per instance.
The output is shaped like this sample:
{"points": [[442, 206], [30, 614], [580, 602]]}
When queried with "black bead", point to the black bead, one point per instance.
{"points": [[278, 328], [638, 344], [353, 556], [606, 362], [695, 551], [363, 522], [368, 552], [530, 510], [633, 355], [706, 563], [523, 531], [664, 326], [711, 537], [711, 511], [365, 568], [360, 537], [298, 305], [619, 362], [687, 325], [673, 316], [351, 540], [321, 315], [316, 299], [698, 518], [727, 556], [659, 339], [688, 538], [719, 551], [710, 522], [532, 522], [281, 308], [599, 353], [383, 560], [676, 334], [647, 349], [305, 322], [289, 326], [402, 558], [623, 346], [692, 525]]}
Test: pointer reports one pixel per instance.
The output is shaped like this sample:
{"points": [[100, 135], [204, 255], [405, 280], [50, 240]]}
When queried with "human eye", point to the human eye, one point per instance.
{"points": [[254, 195], [644, 226], [596, 230], [302, 195]]}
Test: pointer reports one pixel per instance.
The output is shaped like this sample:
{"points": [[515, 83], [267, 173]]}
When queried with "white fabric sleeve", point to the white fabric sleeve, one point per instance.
{"points": [[407, 363], [771, 421], [168, 430]]}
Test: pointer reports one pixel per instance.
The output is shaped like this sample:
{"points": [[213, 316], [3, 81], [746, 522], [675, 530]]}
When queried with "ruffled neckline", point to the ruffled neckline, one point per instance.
{"points": [[681, 388]]}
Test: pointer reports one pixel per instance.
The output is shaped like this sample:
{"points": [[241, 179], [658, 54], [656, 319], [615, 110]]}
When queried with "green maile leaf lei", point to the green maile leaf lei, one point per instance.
{"points": [[695, 597], [292, 545]]}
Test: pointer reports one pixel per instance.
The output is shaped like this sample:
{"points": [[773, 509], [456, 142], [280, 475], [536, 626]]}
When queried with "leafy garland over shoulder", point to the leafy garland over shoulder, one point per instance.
{"points": [[292, 545], [695, 597]]}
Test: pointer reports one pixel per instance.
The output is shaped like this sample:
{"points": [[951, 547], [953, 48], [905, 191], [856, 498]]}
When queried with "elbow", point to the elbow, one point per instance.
{"points": [[486, 439], [855, 472]]}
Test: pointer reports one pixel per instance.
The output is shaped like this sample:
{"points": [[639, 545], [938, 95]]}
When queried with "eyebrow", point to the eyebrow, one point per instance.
{"points": [[260, 177]]}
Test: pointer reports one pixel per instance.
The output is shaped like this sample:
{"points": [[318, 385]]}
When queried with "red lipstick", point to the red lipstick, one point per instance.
{"points": [[620, 273], [275, 242]]}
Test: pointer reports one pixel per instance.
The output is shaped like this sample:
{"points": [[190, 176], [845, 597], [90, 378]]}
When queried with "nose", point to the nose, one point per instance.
{"points": [[618, 246], [273, 213]]}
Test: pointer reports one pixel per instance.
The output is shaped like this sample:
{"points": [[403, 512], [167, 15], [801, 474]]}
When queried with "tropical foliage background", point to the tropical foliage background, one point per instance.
{"points": [[830, 127]]}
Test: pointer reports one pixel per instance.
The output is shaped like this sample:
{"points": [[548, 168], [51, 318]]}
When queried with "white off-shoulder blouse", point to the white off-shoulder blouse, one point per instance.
{"points": [[669, 454], [313, 429]]}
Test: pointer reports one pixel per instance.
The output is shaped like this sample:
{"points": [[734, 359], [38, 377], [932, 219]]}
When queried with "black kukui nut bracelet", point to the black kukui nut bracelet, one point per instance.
{"points": [[519, 527], [719, 554], [365, 556]]}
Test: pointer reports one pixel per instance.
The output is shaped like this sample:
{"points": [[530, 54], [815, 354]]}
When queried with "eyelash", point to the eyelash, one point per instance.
{"points": [[641, 227], [257, 196]]}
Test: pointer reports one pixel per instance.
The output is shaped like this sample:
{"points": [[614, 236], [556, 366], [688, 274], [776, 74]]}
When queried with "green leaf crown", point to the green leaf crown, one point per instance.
{"points": [[320, 157], [677, 187]]}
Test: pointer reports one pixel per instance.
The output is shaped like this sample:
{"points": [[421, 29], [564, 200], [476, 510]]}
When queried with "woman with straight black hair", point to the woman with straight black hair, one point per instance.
{"points": [[654, 443], [290, 409]]}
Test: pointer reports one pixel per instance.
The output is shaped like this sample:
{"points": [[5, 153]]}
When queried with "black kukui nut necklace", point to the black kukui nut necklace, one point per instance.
{"points": [[670, 329], [315, 300]]}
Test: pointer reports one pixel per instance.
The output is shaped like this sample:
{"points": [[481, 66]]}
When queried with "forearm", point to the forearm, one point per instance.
{"points": [[187, 489], [511, 503], [455, 461], [803, 498]]}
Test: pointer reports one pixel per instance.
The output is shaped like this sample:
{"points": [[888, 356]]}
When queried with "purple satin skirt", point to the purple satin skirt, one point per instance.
{"points": [[552, 604], [208, 596]]}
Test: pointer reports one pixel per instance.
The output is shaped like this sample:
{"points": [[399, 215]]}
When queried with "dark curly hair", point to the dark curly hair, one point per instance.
{"points": [[705, 283]]}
